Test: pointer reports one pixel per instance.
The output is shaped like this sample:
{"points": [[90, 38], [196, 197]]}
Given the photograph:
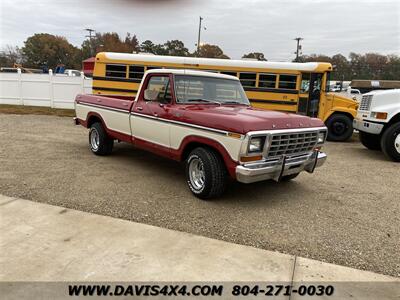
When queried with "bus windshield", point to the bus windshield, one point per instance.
{"points": [[191, 89]]}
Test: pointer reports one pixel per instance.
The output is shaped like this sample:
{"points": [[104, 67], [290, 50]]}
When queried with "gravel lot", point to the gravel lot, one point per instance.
{"points": [[347, 213]]}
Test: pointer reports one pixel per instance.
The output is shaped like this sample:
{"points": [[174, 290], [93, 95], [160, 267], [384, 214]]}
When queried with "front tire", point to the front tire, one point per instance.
{"points": [[340, 128], [370, 141], [100, 143], [390, 142], [206, 173]]}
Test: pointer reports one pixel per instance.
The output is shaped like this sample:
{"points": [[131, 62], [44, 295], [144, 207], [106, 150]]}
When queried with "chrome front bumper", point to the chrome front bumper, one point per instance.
{"points": [[275, 169], [366, 126]]}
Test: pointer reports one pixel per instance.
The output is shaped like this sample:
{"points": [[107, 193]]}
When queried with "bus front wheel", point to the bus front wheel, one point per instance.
{"points": [[340, 128]]}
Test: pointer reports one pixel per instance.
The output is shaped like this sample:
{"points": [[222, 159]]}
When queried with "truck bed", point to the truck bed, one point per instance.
{"points": [[121, 103]]}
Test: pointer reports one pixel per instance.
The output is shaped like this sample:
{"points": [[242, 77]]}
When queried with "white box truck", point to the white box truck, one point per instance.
{"points": [[378, 120]]}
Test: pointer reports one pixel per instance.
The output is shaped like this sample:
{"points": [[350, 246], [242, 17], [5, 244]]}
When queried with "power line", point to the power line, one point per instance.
{"points": [[90, 36], [298, 39], [198, 37]]}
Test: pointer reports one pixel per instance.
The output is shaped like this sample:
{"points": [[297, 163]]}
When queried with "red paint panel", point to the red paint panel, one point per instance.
{"points": [[240, 118], [107, 102], [154, 148]]}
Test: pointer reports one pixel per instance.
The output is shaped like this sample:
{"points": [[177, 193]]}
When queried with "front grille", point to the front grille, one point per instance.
{"points": [[365, 102], [292, 143]]}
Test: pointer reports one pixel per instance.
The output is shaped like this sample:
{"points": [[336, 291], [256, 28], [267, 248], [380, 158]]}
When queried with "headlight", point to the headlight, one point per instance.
{"points": [[321, 137], [256, 144]]}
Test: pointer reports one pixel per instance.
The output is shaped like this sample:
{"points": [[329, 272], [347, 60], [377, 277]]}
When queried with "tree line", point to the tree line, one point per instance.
{"points": [[44, 50]]}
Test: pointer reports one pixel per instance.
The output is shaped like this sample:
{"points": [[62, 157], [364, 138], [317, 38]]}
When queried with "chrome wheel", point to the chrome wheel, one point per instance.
{"points": [[94, 139], [196, 173], [397, 143]]}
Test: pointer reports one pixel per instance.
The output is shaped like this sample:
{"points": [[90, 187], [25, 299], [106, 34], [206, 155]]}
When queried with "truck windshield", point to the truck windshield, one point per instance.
{"points": [[202, 89]]}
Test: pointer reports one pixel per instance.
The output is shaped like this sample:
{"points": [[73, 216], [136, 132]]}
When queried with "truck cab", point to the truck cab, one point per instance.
{"points": [[378, 121]]}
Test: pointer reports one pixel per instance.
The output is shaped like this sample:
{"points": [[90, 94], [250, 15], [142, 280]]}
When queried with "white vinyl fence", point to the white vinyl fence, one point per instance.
{"points": [[56, 91]]}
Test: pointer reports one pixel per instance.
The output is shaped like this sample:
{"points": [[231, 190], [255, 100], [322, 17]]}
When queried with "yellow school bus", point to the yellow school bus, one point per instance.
{"points": [[291, 87]]}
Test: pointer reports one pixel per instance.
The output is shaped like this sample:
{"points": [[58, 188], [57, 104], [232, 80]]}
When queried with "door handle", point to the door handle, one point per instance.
{"points": [[139, 108], [155, 114]]}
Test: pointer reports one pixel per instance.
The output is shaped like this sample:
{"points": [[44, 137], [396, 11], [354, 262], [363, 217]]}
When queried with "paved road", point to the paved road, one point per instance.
{"points": [[347, 213], [63, 245]]}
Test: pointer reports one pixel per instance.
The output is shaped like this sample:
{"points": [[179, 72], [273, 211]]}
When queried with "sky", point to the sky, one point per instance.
{"points": [[237, 26]]}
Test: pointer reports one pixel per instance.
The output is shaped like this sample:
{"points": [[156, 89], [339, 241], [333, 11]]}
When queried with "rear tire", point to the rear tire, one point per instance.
{"points": [[370, 141], [100, 143], [390, 142], [340, 128], [206, 173]]}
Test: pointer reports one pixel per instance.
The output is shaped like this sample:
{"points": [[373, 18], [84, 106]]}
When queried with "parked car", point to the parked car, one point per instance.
{"points": [[205, 120], [378, 120], [71, 72]]}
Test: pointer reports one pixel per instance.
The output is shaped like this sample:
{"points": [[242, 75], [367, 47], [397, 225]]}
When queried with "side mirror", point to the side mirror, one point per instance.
{"points": [[150, 95]]}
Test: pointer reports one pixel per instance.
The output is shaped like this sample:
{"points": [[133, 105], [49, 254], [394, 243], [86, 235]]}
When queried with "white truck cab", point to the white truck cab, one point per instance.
{"points": [[378, 120]]}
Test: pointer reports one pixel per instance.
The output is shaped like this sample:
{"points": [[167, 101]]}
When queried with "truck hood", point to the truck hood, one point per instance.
{"points": [[242, 119], [339, 100]]}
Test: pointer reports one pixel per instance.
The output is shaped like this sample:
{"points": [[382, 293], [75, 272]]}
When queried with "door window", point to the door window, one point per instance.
{"points": [[305, 83], [160, 84]]}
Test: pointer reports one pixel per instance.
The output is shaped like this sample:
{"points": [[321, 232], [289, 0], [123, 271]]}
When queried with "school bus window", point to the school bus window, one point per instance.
{"points": [[136, 72], [287, 82], [267, 80], [248, 79], [229, 73], [305, 83], [116, 71]]}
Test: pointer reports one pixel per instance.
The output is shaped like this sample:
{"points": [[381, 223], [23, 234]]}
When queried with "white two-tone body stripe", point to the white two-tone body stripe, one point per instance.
{"points": [[223, 132], [163, 132]]}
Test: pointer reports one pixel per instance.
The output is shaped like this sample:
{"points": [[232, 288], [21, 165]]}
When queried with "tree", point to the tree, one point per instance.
{"points": [[210, 51], [149, 47], [132, 42], [255, 55], [392, 68], [11, 55], [44, 49], [341, 68], [111, 42], [176, 48]]}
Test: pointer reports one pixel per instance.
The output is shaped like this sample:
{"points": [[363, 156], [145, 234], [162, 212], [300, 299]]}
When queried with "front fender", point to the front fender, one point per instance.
{"points": [[341, 104], [214, 144]]}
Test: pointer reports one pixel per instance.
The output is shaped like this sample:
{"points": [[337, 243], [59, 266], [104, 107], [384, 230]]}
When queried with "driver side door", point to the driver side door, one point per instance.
{"points": [[149, 120], [310, 94]]}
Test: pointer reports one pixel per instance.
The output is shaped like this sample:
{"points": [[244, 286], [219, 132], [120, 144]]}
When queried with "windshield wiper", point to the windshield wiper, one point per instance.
{"points": [[234, 102], [203, 100]]}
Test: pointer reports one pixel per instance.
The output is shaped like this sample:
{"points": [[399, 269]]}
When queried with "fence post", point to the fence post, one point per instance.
{"points": [[21, 102], [83, 82], [51, 88]]}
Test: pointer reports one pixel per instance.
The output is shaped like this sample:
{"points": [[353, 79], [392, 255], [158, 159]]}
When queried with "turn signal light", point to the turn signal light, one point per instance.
{"points": [[381, 115], [250, 158], [235, 135]]}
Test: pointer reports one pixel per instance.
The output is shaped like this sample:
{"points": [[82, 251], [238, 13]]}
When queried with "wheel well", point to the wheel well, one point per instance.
{"points": [[395, 119], [193, 145], [340, 113], [92, 120]]}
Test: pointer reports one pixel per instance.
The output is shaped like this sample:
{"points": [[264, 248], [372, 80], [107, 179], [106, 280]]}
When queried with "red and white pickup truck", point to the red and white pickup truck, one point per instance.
{"points": [[205, 120]]}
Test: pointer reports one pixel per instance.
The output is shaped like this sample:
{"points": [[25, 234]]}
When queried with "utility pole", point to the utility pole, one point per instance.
{"points": [[298, 39], [90, 36], [198, 37]]}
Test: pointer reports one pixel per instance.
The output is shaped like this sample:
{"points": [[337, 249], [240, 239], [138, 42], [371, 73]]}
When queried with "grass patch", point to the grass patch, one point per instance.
{"points": [[35, 110]]}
